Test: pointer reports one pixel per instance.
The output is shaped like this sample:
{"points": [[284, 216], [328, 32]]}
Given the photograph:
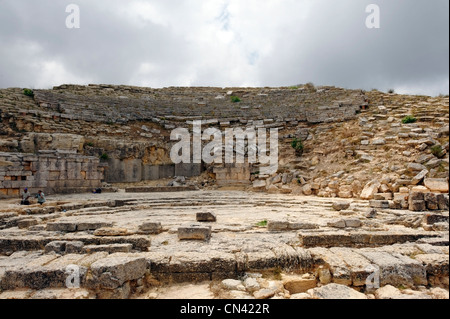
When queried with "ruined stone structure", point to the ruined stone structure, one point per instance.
{"points": [[51, 172], [367, 195]]}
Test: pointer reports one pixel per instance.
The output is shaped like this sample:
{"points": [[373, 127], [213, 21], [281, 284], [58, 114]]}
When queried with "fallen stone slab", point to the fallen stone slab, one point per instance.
{"points": [[194, 232], [296, 284], [335, 291]]}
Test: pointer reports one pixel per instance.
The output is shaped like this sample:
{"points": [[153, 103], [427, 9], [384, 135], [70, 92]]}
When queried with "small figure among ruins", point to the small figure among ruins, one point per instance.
{"points": [[40, 197], [25, 197]]}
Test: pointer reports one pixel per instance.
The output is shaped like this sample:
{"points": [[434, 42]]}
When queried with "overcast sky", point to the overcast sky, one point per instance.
{"points": [[160, 43]]}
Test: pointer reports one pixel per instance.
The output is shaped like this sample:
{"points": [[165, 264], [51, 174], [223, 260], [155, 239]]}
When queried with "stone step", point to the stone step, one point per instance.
{"points": [[359, 239], [36, 243]]}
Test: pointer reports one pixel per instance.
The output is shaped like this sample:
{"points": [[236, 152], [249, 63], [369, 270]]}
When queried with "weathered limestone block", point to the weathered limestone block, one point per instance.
{"points": [[26, 223], [194, 232], [338, 268], [277, 225], [232, 284], [58, 247], [211, 263], [353, 223], [335, 291], [206, 217], [396, 269], [419, 177], [62, 226], [370, 190], [388, 292], [92, 225], [437, 268], [338, 206], [431, 201], [417, 205], [439, 185], [384, 204], [111, 232], [111, 249], [265, 259], [443, 201], [150, 228], [302, 226], [339, 223], [114, 271], [74, 247], [298, 284]]}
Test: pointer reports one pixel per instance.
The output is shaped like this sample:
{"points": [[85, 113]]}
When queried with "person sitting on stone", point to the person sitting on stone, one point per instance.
{"points": [[40, 197], [25, 197]]}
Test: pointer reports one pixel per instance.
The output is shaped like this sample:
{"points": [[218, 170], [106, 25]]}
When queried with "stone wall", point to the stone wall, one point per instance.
{"points": [[51, 172], [134, 171]]}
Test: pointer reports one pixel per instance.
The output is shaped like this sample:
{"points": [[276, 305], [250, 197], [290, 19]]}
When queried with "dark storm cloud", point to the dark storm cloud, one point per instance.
{"points": [[227, 43]]}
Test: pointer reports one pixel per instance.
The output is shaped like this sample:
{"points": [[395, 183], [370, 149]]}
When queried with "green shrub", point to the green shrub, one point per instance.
{"points": [[297, 145], [391, 91], [235, 99], [437, 151], [262, 223], [409, 119], [28, 92], [104, 157]]}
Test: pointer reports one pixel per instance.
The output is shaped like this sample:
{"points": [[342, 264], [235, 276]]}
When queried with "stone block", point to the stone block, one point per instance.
{"points": [[206, 217], [26, 223], [335, 292], [370, 190], [74, 247], [417, 205], [443, 201], [431, 201], [276, 225], [379, 204], [298, 284], [58, 247], [112, 272], [338, 206], [438, 185], [419, 177], [150, 228], [111, 249], [353, 223], [194, 232], [62, 226], [111, 232]]}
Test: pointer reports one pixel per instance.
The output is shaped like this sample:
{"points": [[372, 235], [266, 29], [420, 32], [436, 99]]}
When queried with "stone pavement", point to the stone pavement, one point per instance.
{"points": [[125, 244]]}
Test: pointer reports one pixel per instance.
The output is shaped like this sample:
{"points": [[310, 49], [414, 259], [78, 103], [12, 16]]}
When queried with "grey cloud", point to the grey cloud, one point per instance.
{"points": [[331, 46]]}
